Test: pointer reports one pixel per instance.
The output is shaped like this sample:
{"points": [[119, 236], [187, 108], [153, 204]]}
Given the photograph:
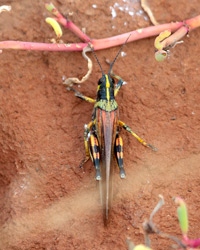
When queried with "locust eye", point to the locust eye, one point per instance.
{"points": [[101, 80]]}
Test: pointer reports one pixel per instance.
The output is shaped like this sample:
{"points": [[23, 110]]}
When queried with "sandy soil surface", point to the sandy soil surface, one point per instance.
{"points": [[47, 201]]}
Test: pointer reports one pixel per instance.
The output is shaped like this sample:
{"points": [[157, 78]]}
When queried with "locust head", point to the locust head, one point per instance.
{"points": [[106, 81]]}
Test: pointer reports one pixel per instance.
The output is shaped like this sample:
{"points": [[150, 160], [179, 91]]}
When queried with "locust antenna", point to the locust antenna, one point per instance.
{"points": [[96, 57], [118, 54]]}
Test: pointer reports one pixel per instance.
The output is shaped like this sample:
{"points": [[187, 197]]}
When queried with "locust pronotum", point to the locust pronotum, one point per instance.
{"points": [[101, 135]]}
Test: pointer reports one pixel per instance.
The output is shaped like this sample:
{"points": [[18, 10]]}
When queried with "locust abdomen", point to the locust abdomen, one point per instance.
{"points": [[106, 125]]}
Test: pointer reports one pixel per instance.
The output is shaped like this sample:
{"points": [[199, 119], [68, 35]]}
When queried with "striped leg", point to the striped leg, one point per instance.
{"points": [[81, 96], [119, 155], [87, 152], [94, 153], [119, 84], [122, 124], [120, 81], [92, 150]]}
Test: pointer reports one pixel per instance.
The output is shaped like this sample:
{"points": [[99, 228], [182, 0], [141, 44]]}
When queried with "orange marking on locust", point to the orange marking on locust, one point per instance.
{"points": [[95, 155], [120, 141], [117, 142], [92, 141], [96, 142]]}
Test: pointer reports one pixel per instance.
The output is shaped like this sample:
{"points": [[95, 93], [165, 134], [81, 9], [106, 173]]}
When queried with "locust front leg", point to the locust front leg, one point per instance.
{"points": [[122, 124], [118, 149], [120, 81], [118, 86], [81, 96]]}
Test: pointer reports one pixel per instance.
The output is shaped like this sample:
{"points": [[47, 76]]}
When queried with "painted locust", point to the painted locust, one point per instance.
{"points": [[101, 136]]}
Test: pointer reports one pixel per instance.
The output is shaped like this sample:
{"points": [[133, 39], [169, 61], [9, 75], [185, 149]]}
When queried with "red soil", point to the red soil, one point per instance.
{"points": [[47, 202]]}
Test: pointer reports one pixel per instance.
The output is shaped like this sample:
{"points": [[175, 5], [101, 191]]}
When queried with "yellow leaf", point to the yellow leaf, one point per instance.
{"points": [[141, 247], [160, 38], [55, 25]]}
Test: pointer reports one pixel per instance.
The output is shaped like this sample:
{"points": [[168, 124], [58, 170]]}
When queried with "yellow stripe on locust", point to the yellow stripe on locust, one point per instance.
{"points": [[107, 88]]}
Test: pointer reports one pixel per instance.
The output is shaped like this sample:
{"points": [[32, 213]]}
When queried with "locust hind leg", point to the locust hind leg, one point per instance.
{"points": [[95, 154], [118, 149], [92, 149], [126, 127]]}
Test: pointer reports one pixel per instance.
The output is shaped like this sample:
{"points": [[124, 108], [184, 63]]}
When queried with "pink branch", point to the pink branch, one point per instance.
{"points": [[135, 35], [99, 44], [42, 46], [191, 243], [194, 22], [66, 23], [71, 26]]}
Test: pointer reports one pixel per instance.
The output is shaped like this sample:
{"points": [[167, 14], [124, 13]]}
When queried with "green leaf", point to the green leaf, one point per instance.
{"points": [[160, 55], [182, 215], [49, 6]]}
